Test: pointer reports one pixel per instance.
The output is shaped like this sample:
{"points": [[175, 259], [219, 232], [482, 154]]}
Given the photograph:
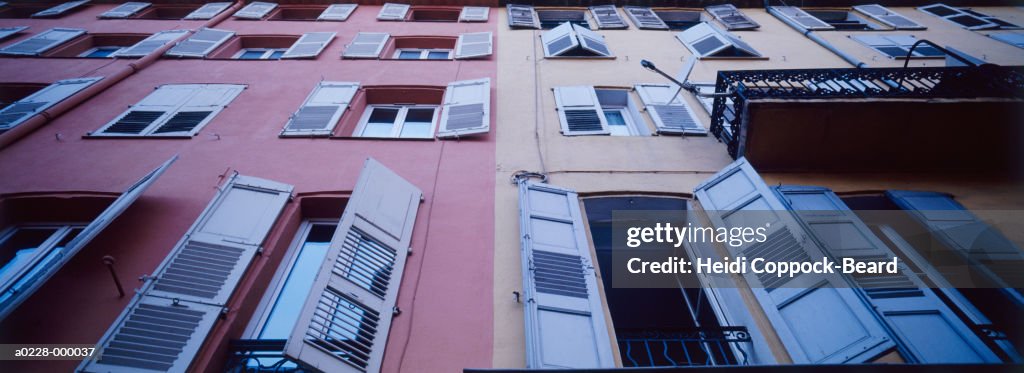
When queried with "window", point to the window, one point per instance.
{"points": [[1014, 39], [40, 43], [434, 14], [174, 110], [25, 108], [679, 19], [297, 13], [96, 45], [731, 18], [580, 112], [12, 92], [255, 10], [621, 114], [550, 19], [572, 40], [897, 46], [522, 16], [966, 18], [178, 11], [423, 54], [707, 40], [322, 109], [21, 10], [100, 52], [259, 53], [30, 249], [399, 121], [151, 43]]}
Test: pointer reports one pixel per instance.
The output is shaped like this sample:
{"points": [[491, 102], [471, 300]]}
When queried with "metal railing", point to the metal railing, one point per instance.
{"points": [[260, 355], [680, 347]]}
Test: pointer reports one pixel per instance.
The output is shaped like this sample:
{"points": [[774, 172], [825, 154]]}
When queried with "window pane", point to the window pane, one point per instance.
{"points": [[251, 55], [616, 123], [409, 55], [20, 246], [418, 123], [299, 279], [276, 54], [438, 55], [102, 52], [893, 51], [381, 121]]}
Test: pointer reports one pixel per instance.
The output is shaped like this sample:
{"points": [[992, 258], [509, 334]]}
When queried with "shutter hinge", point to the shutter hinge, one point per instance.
{"points": [[259, 251], [146, 277], [515, 296], [410, 250], [395, 311], [422, 198], [224, 312]]}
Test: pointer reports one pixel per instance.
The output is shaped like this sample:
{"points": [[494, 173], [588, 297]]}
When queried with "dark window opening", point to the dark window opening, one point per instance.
{"points": [[679, 20], [164, 11], [423, 47], [842, 20], [550, 19], [297, 13], [12, 92], [22, 10], [435, 15], [95, 45]]}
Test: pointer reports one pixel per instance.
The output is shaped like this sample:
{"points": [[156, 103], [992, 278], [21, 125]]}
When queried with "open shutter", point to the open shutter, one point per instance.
{"points": [[1013, 39], [702, 40], [671, 115], [343, 327], [23, 285], [801, 18], [559, 40], [580, 111], [201, 43], [467, 108], [924, 323], [474, 44], [393, 12], [366, 45], [474, 14], [42, 42], [60, 9], [309, 45], [165, 325], [522, 16], [255, 10], [591, 41], [958, 16], [337, 12], [151, 44], [208, 10], [205, 103], [6, 32], [125, 10], [731, 18], [607, 17], [888, 17], [25, 108], [817, 318], [565, 321], [154, 108], [322, 109], [644, 18]]}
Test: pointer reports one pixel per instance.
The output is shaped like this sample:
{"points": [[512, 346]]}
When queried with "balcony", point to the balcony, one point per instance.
{"points": [[680, 348], [261, 355]]}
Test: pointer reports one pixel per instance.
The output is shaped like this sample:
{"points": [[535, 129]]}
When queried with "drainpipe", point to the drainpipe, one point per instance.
{"points": [[43, 117], [814, 37]]}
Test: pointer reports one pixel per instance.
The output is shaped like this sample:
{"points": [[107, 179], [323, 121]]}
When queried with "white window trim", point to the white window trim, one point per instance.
{"points": [[424, 53], [626, 117], [396, 129], [94, 49], [42, 251], [267, 52]]}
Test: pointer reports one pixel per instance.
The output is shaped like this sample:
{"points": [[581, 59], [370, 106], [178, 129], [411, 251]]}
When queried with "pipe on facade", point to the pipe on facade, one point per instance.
{"points": [[817, 39], [43, 117]]}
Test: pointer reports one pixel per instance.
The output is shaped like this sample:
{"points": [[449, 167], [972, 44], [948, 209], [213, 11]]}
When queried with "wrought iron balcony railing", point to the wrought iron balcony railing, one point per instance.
{"points": [[680, 347], [260, 355]]}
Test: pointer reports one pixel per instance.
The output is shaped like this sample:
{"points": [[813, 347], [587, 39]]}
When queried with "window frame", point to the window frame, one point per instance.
{"points": [[624, 112], [424, 54], [114, 49], [45, 248], [636, 126], [399, 123], [267, 53]]}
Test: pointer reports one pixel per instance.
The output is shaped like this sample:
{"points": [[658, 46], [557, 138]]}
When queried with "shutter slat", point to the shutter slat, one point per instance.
{"points": [[337, 12], [393, 12], [201, 43], [322, 109], [309, 45], [522, 16], [125, 10], [644, 18], [580, 111], [366, 45], [255, 10], [208, 11], [473, 45], [607, 17], [42, 42], [60, 9], [150, 44], [474, 14], [19, 111], [732, 18], [467, 108], [671, 114]]}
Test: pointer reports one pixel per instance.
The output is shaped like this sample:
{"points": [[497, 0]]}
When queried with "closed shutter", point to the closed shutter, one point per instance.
{"points": [[474, 14], [151, 44], [474, 44], [818, 320], [888, 17], [958, 16], [205, 103], [208, 10], [337, 12], [321, 110], [201, 43], [559, 40], [309, 45], [19, 111], [125, 10], [366, 45], [607, 17], [522, 16], [42, 42], [6, 32], [393, 12], [153, 108], [731, 18], [255, 10], [671, 114], [801, 18], [343, 327], [467, 108], [591, 41], [644, 18], [60, 9], [564, 317], [24, 285], [172, 110], [580, 111]]}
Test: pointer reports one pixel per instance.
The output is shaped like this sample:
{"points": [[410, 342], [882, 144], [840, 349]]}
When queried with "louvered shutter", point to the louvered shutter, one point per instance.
{"points": [[467, 108], [154, 108], [958, 16], [644, 18], [924, 323], [321, 110], [474, 14], [309, 45], [474, 44], [393, 12], [671, 114], [337, 12], [801, 18], [42, 42], [151, 44], [125, 10], [559, 40], [197, 110], [343, 327], [201, 43], [702, 40], [164, 326], [591, 41], [522, 16], [6, 32], [23, 285], [366, 45], [731, 18], [255, 10], [60, 9], [580, 111], [19, 111], [607, 17], [818, 320], [564, 317], [208, 10], [888, 17]]}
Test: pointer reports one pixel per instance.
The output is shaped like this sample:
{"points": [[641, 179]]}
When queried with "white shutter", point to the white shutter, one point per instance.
{"points": [[309, 45], [671, 115], [607, 17], [366, 45], [644, 18], [19, 111], [475, 44], [801, 18], [154, 108], [474, 14], [151, 44], [343, 327], [255, 10], [125, 10], [208, 10], [1013, 39], [522, 16], [60, 9], [172, 110], [165, 325], [201, 43], [702, 40], [393, 12], [888, 17], [818, 319], [580, 111], [559, 40], [204, 104], [565, 320], [731, 18], [958, 16], [467, 108], [337, 12], [591, 41], [6, 32], [321, 110], [42, 42]]}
